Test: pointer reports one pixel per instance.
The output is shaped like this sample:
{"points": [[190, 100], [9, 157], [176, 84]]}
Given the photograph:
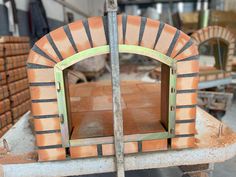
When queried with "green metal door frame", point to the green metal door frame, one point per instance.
{"points": [[63, 105]]}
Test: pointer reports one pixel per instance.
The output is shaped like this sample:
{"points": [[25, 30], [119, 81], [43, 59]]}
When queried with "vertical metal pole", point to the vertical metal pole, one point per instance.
{"points": [[116, 95], [203, 18]]}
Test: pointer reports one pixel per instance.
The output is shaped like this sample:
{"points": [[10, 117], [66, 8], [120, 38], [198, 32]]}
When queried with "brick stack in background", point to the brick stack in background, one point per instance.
{"points": [[5, 113], [14, 90]]}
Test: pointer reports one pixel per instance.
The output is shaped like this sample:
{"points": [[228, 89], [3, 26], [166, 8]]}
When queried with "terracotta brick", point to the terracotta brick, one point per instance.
{"points": [[220, 32], [129, 148], [4, 105], [45, 46], [191, 51], [201, 36], [18, 86], [185, 113], [150, 33], [180, 43], [20, 110], [185, 128], [3, 78], [188, 67], [202, 78], [62, 43], [220, 76], [44, 108], [120, 28], [83, 151], [16, 74], [154, 145], [48, 139], [19, 98], [14, 39], [3, 92], [16, 49], [227, 74], [47, 124], [165, 39], [96, 27], [211, 77], [187, 83], [195, 36], [183, 142], [5, 119], [216, 30], [186, 99], [15, 61], [44, 92], [79, 35], [51, 154], [211, 34], [2, 65], [205, 32], [41, 75], [35, 58], [132, 30]]}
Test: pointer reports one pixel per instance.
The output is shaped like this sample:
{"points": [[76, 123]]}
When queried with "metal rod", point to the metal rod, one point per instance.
{"points": [[219, 54], [204, 18], [116, 95]]}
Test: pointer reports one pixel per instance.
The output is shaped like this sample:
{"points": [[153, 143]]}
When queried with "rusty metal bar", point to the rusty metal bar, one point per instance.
{"points": [[116, 95]]}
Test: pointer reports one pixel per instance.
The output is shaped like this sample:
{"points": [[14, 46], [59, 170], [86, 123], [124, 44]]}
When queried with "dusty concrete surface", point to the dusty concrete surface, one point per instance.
{"points": [[22, 129], [228, 168]]}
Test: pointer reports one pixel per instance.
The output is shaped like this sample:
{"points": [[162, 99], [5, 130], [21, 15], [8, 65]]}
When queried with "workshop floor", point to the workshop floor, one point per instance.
{"points": [[225, 169]]}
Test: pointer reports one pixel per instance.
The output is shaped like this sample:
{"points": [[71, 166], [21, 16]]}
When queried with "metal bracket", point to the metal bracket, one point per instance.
{"points": [[63, 107], [61, 116], [58, 86]]}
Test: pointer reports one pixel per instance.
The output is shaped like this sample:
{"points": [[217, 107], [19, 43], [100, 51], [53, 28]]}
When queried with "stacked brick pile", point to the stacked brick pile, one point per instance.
{"points": [[14, 89]]}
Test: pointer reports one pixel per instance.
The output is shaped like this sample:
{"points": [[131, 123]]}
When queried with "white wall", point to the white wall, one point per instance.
{"points": [[55, 11]]}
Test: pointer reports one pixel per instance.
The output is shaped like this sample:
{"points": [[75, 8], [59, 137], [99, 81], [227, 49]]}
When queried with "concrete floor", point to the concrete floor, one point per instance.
{"points": [[225, 169]]}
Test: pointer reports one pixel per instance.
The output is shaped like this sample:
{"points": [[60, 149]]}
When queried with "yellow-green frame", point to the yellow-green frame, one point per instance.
{"points": [[63, 106]]}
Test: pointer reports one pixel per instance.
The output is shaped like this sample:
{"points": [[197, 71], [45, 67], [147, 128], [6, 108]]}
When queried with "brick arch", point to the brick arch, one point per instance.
{"points": [[214, 32], [79, 36]]}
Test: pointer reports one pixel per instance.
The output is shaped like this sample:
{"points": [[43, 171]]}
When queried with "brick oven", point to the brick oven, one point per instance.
{"points": [[222, 42], [63, 130]]}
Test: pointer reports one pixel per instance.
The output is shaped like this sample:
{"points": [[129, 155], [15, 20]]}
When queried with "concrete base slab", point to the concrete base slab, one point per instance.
{"points": [[215, 143]]}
